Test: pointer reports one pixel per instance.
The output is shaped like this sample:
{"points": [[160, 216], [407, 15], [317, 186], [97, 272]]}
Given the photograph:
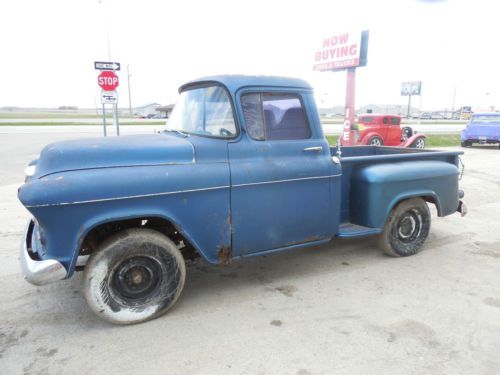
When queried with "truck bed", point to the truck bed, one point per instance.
{"points": [[357, 157], [371, 154]]}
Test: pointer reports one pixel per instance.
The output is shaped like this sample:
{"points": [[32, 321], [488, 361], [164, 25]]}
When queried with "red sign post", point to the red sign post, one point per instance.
{"points": [[345, 51], [108, 80]]}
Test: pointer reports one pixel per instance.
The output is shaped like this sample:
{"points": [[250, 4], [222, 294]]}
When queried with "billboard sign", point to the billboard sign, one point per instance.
{"points": [[411, 88], [341, 51]]}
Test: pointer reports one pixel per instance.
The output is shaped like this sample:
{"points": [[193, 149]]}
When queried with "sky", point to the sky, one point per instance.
{"points": [[48, 48]]}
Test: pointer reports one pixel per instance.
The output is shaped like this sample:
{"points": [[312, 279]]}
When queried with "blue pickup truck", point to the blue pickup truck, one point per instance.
{"points": [[241, 169], [483, 128]]}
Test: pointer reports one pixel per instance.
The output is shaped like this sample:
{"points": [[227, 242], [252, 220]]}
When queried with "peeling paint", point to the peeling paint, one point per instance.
{"points": [[225, 255]]}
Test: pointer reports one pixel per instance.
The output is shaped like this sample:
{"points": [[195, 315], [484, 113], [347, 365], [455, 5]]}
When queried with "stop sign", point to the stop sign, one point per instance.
{"points": [[108, 80]]}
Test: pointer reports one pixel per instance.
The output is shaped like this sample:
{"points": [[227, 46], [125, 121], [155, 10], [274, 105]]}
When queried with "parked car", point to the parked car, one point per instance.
{"points": [[438, 116], [242, 169], [381, 129], [483, 128], [426, 115]]}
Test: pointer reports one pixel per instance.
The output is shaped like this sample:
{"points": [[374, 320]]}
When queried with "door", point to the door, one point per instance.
{"points": [[281, 172], [393, 131], [383, 127]]}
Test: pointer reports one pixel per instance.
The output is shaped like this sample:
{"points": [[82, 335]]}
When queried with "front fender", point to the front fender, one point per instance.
{"points": [[118, 214], [68, 205], [63, 239], [412, 139]]}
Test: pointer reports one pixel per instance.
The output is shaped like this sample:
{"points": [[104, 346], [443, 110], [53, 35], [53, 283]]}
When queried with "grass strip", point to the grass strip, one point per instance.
{"points": [[432, 140]]}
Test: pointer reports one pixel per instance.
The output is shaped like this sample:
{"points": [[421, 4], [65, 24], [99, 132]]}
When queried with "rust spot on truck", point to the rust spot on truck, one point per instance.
{"points": [[225, 255]]}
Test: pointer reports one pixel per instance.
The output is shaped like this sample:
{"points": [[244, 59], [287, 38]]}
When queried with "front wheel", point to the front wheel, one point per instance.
{"points": [[134, 276], [406, 228], [419, 143], [465, 144]]}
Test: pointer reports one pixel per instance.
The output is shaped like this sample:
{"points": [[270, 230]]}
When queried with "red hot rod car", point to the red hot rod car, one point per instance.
{"points": [[378, 129]]}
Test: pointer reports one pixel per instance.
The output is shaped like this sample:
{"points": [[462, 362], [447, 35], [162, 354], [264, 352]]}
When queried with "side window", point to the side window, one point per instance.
{"points": [[395, 121], [275, 117], [386, 120], [284, 117]]}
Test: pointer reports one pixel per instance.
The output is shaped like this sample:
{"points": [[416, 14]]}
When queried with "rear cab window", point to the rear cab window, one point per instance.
{"points": [[275, 116], [487, 119]]}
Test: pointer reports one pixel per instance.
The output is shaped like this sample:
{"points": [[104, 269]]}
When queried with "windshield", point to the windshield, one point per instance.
{"points": [[486, 118], [203, 111]]}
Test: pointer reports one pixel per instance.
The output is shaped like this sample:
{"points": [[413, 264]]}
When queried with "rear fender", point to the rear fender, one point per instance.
{"points": [[377, 189], [428, 195], [367, 137]]}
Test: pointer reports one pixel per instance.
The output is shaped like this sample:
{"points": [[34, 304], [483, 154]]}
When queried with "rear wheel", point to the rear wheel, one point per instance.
{"points": [[406, 228], [135, 275], [465, 144], [375, 141]]}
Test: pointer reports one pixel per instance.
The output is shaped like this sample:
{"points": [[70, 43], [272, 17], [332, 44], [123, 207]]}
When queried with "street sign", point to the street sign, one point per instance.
{"points": [[105, 65], [107, 80], [109, 97]]}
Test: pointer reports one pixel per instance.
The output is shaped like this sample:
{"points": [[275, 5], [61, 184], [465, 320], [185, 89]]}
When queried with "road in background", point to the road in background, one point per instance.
{"points": [[328, 128]]}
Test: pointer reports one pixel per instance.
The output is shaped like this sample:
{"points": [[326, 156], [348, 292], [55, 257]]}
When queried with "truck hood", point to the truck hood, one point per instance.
{"points": [[108, 152]]}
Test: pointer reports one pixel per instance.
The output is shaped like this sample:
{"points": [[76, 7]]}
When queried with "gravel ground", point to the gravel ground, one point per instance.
{"points": [[339, 308]]}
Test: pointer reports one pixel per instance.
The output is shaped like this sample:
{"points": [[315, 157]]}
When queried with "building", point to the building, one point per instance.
{"points": [[165, 110], [146, 111]]}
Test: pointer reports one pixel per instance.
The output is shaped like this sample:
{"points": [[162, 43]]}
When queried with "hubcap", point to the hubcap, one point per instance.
{"points": [[420, 143], [375, 142], [409, 226], [136, 278]]}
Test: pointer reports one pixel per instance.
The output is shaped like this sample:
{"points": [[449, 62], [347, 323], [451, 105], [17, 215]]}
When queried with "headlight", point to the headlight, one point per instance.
{"points": [[30, 170]]}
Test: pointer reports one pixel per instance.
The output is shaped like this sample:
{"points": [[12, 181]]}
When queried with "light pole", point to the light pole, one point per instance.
{"points": [[129, 97], [115, 106]]}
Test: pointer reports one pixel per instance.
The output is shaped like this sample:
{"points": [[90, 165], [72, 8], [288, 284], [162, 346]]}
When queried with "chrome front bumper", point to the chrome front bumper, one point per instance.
{"points": [[36, 271]]}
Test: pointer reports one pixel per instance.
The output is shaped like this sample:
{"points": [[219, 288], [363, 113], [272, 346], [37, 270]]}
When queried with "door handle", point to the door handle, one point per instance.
{"points": [[314, 149]]}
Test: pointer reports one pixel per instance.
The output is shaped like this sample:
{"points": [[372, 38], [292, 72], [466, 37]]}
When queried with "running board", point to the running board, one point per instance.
{"points": [[349, 230]]}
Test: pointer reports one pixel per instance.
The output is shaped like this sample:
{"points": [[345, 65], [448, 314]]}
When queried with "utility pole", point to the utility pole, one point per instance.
{"points": [[453, 105], [409, 106], [129, 97]]}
